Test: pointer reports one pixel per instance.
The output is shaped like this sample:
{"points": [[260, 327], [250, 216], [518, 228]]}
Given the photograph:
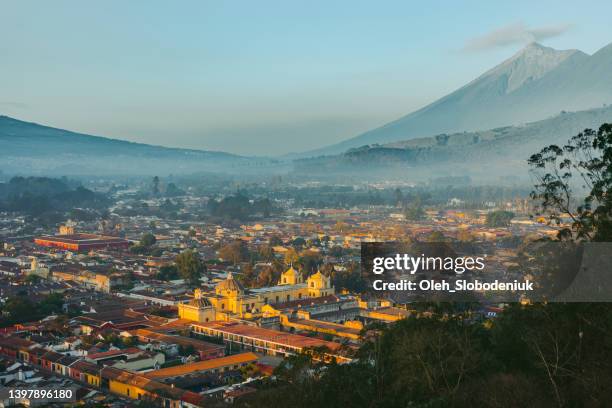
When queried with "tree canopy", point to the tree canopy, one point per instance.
{"points": [[575, 181], [190, 267], [499, 218]]}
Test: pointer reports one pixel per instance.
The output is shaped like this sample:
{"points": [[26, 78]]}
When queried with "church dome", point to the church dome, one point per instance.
{"points": [[229, 286], [199, 300]]}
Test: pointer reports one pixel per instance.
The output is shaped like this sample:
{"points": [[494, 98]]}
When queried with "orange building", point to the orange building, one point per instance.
{"points": [[139, 387], [214, 366], [81, 242]]}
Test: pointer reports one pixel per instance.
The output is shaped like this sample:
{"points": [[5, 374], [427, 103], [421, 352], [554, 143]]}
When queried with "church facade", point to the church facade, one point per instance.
{"points": [[231, 300]]}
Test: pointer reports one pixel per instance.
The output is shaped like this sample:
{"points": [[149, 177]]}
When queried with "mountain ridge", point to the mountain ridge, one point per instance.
{"points": [[32, 148], [484, 154], [5, 119], [530, 63], [566, 80]]}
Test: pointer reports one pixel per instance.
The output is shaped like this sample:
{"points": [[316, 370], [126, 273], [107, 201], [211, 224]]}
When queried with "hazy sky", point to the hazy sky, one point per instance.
{"points": [[261, 77]]}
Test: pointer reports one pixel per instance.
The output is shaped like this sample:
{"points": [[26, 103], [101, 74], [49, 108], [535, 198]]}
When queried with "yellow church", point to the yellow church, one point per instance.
{"points": [[231, 299]]}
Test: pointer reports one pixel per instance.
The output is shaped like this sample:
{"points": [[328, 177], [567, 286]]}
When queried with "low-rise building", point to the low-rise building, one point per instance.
{"points": [[166, 342], [213, 366], [81, 242], [267, 341]]}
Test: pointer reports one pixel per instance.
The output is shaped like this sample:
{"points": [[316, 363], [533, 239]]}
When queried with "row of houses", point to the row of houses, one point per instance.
{"points": [[117, 381]]}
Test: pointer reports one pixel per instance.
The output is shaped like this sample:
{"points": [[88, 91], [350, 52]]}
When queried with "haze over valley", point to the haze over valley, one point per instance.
{"points": [[484, 130]]}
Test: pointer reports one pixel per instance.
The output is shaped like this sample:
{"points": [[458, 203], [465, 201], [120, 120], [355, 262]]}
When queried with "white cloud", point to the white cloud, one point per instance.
{"points": [[512, 34]]}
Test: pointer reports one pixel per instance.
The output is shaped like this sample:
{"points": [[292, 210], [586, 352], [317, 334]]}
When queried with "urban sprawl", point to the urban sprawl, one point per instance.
{"points": [[162, 297]]}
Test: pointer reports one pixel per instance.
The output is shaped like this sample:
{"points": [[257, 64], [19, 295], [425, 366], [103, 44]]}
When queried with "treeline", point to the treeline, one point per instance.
{"points": [[36, 196], [438, 193], [168, 209], [20, 309], [239, 207]]}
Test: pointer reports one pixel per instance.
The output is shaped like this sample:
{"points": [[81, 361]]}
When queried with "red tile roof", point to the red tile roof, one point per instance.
{"points": [[268, 335]]}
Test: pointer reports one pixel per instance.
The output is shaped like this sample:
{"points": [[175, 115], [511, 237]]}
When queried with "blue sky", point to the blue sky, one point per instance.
{"points": [[261, 77]]}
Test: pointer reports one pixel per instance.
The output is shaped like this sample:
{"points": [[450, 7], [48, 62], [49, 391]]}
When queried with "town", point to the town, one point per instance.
{"points": [[161, 293]]}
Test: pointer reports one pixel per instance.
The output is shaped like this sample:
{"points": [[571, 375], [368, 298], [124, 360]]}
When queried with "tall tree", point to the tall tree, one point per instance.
{"points": [[575, 181], [399, 197], [148, 240], [499, 218], [155, 185], [414, 211], [190, 267], [235, 252]]}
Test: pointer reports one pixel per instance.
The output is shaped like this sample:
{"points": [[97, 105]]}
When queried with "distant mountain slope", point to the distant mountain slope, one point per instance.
{"points": [[494, 153], [30, 148], [536, 83]]}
